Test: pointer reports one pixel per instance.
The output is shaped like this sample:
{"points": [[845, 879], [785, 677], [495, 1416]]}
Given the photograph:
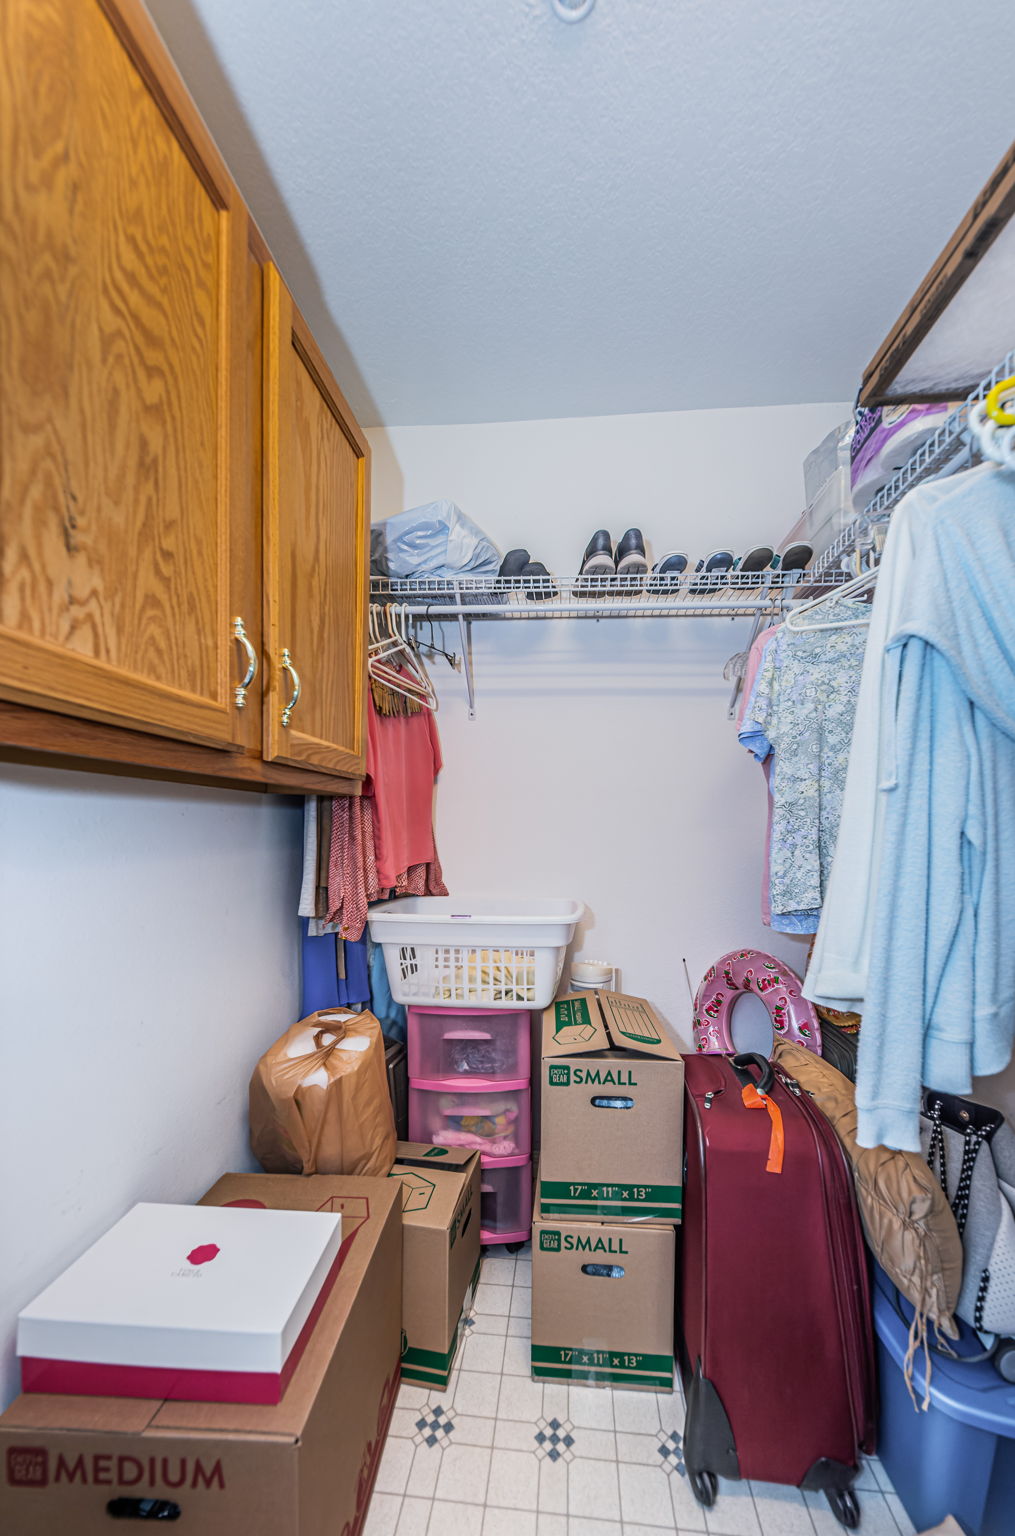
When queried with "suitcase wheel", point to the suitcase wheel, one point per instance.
{"points": [[844, 1506], [704, 1486]]}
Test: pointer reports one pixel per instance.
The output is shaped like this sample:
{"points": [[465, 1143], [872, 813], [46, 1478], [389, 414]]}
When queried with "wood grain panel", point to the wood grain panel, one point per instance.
{"points": [[316, 532], [976, 233], [50, 740], [122, 358]]}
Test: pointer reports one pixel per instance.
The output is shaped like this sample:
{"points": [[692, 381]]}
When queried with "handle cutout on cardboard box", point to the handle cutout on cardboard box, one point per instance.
{"points": [[611, 1101], [604, 1271], [465, 1223], [143, 1509]]}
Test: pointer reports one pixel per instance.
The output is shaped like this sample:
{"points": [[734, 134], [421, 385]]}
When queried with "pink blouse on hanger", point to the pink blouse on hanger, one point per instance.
{"points": [[403, 759]]}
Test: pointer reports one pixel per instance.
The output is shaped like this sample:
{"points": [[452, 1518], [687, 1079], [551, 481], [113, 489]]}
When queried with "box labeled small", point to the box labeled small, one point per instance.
{"points": [[612, 1111], [602, 1302]]}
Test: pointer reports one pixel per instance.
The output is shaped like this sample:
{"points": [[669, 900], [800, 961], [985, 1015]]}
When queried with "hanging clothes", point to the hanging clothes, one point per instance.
{"points": [[801, 713], [392, 1015], [839, 967], [749, 732], [335, 972], [308, 885], [752, 736], [940, 995], [316, 855], [403, 760]]}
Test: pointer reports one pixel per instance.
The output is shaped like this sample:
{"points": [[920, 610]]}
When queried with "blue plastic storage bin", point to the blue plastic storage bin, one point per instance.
{"points": [[958, 1458]]}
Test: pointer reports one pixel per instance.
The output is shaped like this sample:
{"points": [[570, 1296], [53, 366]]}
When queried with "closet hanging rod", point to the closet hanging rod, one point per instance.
{"points": [[947, 450], [738, 594]]}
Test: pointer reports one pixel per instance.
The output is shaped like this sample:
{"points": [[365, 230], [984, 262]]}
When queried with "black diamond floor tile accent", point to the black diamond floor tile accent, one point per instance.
{"points": [[434, 1427], [671, 1451], [554, 1439]]}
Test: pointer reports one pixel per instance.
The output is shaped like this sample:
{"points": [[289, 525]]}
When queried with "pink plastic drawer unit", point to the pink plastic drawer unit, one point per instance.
{"points": [[454, 1043], [490, 1117], [505, 1211]]}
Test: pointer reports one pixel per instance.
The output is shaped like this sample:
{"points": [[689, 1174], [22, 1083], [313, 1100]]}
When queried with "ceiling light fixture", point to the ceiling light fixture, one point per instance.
{"points": [[572, 10]]}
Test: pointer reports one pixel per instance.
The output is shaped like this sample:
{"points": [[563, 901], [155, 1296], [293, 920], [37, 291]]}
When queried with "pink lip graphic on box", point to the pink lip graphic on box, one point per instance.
{"points": [[203, 1254]]}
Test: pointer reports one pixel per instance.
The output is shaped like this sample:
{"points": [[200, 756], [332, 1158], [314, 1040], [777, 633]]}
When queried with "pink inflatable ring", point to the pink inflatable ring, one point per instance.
{"points": [[750, 970]]}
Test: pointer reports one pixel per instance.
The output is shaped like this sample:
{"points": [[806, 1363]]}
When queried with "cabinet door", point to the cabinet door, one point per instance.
{"points": [[316, 525], [122, 247]]}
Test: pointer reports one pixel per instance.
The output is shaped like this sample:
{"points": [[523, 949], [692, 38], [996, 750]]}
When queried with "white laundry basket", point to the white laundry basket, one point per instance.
{"points": [[474, 952]]}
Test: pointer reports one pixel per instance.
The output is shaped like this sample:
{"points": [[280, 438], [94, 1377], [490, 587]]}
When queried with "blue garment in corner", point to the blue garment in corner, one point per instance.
{"points": [[383, 1006], [940, 1000], [322, 987]]}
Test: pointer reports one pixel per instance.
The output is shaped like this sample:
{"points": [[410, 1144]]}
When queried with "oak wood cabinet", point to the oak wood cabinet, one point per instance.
{"points": [[315, 535], [140, 583], [121, 271]]}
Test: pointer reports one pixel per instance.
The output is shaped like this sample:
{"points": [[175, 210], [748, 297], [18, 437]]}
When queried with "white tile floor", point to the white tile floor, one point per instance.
{"points": [[498, 1454]]}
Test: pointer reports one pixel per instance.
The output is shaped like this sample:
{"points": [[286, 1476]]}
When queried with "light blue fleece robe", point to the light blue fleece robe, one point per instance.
{"points": [[940, 1003]]}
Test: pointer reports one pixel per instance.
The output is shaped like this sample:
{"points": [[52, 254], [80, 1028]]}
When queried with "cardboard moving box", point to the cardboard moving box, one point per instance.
{"points": [[602, 1302], [612, 1111], [302, 1467], [440, 1254]]}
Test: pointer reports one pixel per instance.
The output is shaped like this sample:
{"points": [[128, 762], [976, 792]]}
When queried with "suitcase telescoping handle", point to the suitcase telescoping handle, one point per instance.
{"points": [[757, 1095], [745, 1078]]}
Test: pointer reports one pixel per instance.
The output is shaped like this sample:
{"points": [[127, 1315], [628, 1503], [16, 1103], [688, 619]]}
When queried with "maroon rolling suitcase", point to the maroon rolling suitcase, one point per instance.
{"points": [[775, 1319]]}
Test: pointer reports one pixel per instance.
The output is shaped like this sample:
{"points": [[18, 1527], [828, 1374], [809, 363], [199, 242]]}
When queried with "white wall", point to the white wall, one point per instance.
{"points": [[149, 952], [601, 764]]}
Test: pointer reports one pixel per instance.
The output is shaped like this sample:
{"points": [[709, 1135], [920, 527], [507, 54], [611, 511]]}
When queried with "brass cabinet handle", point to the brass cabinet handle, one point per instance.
{"points": [[240, 634], [287, 666]]}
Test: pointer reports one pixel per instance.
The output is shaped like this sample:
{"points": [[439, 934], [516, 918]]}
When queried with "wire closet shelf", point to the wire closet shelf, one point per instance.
{"points": [[731, 595], [949, 449]]}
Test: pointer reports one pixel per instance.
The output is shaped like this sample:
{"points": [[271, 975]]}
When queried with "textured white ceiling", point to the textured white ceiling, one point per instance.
{"points": [[487, 214]]}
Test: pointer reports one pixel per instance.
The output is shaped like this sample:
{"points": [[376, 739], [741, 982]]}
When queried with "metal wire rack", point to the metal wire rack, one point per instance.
{"points": [[731, 595], [947, 450]]}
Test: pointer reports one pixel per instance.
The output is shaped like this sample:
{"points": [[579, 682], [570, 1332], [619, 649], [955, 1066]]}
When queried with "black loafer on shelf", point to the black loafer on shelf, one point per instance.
{"points": [[630, 554], [598, 557], [543, 588], [514, 562]]}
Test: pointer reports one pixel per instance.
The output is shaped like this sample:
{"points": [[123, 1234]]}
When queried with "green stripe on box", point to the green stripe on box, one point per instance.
{"points": [[626, 1200], [615, 1366], [430, 1359], [424, 1377], [624, 1212], [602, 1378]]}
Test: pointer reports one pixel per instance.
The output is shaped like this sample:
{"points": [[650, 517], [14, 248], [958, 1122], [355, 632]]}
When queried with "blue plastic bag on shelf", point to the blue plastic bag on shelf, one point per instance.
{"points": [[432, 540]]}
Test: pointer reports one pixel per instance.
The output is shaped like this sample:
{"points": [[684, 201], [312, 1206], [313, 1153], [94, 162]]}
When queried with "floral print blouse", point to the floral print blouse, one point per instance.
{"points": [[804, 701]]}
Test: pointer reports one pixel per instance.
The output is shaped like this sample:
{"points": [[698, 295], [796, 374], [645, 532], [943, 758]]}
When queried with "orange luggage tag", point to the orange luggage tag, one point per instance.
{"points": [[777, 1144]]}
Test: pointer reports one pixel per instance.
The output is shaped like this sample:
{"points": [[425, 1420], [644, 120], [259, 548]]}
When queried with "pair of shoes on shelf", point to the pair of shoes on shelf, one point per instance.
{"points": [[627, 559], [518, 562], [722, 562]]}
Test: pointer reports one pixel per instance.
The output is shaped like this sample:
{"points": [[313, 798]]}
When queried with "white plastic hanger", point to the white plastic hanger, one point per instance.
{"points": [[995, 442], [854, 588], [408, 676]]}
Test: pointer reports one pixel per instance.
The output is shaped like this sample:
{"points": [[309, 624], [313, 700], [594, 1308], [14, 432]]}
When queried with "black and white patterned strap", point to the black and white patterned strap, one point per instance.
{"points": [[972, 1140]]}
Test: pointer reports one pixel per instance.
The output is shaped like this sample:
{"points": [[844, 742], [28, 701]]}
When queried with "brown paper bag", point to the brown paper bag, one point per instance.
{"points": [[319, 1099]]}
